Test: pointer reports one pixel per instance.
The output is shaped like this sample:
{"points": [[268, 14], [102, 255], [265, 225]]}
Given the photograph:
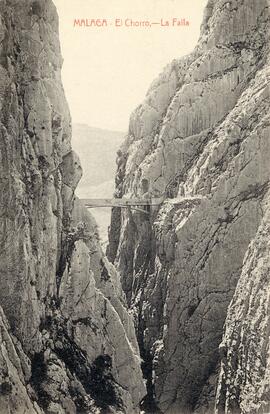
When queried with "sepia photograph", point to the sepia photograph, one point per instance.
{"points": [[134, 207]]}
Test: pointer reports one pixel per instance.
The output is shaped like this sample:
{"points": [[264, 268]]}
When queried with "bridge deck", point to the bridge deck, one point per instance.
{"points": [[137, 202], [121, 202]]}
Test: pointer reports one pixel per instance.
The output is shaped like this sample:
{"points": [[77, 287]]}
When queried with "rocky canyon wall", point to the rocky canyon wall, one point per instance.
{"points": [[68, 343], [200, 141]]}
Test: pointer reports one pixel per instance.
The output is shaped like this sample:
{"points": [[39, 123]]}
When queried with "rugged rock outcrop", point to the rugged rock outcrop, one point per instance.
{"points": [[244, 383], [201, 142], [68, 343]]}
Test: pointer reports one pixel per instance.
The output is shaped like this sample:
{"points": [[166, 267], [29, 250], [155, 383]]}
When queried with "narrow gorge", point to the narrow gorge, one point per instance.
{"points": [[175, 318]]}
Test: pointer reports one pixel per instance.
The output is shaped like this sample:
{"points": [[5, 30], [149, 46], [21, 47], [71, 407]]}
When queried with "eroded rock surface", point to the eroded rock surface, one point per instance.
{"points": [[244, 381], [68, 343], [200, 140]]}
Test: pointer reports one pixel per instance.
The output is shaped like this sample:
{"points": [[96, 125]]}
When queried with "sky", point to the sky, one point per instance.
{"points": [[107, 70]]}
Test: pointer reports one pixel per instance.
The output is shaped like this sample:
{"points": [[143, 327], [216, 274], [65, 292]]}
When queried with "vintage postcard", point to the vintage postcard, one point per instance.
{"points": [[134, 207]]}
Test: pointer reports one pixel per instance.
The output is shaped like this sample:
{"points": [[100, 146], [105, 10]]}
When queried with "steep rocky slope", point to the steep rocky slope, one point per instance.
{"points": [[201, 142], [68, 343], [244, 382]]}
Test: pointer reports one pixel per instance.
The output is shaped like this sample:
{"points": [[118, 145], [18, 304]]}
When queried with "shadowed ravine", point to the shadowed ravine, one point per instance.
{"points": [[185, 303]]}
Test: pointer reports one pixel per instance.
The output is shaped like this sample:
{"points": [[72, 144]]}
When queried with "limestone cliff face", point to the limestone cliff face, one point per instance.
{"points": [[244, 381], [201, 141], [68, 343]]}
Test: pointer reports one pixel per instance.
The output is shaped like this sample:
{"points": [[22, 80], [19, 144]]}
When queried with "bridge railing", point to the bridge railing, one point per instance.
{"points": [[121, 202]]}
